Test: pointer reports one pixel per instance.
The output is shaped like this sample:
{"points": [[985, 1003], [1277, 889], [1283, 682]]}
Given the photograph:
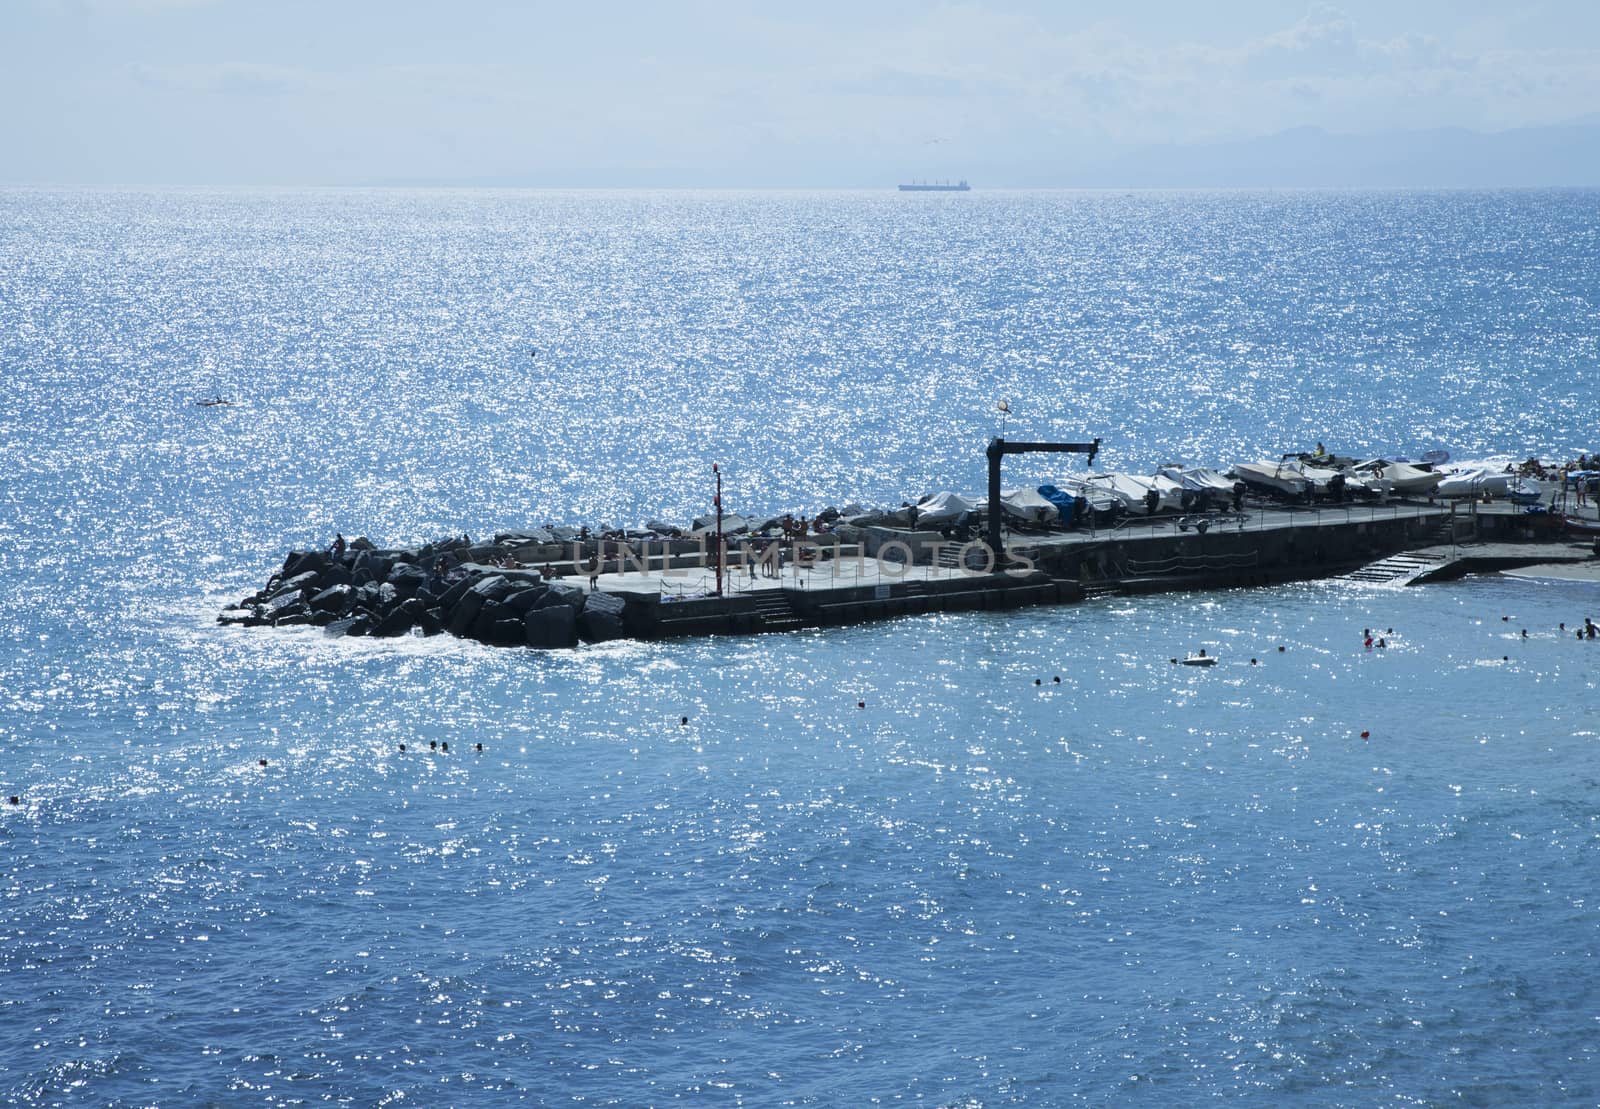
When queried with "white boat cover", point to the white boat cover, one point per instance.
{"points": [[1099, 498], [1402, 477], [941, 508], [1475, 483], [731, 525], [1198, 479], [1126, 488], [1170, 491], [1282, 476], [1028, 505]]}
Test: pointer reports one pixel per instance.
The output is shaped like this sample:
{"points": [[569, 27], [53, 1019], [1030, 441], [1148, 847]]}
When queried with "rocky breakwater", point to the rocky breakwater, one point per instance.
{"points": [[450, 586]]}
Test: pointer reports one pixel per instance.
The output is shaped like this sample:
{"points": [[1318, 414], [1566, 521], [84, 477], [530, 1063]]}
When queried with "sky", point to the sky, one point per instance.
{"points": [[842, 94]]}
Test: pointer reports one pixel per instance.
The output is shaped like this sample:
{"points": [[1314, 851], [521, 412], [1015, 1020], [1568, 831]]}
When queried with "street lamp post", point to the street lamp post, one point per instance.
{"points": [[717, 502]]}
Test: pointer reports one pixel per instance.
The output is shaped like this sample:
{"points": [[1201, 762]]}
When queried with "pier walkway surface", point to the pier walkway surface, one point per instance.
{"points": [[1454, 527], [543, 594]]}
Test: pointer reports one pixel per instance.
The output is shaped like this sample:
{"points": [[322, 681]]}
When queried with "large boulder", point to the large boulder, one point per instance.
{"points": [[452, 595], [282, 604], [523, 600], [300, 562], [490, 613], [562, 595], [555, 626], [296, 585], [349, 625], [491, 587], [601, 618], [400, 619], [407, 577], [335, 598]]}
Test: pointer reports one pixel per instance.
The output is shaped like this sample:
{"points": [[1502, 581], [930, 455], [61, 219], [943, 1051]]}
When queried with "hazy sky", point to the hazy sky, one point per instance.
{"points": [[809, 94]]}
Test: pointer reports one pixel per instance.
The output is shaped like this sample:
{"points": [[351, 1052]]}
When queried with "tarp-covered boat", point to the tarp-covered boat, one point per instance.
{"points": [[942, 508]]}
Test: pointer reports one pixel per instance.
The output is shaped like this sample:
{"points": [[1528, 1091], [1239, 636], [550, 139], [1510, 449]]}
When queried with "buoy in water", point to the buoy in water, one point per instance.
{"points": [[1365, 735]]}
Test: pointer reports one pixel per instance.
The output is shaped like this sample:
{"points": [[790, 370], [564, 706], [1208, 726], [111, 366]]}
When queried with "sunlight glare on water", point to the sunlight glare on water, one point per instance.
{"points": [[1142, 882]]}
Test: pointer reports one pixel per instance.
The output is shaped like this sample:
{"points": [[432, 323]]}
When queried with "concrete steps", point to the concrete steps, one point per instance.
{"points": [[774, 610], [1400, 569]]}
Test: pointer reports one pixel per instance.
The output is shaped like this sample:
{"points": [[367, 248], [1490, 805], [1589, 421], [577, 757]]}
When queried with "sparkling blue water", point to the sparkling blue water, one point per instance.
{"points": [[1142, 884]]}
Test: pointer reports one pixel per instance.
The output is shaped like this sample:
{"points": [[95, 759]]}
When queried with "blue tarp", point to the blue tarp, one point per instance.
{"points": [[1066, 503]]}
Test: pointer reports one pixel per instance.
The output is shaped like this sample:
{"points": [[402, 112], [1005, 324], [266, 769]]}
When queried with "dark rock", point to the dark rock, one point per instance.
{"points": [[335, 575], [297, 584], [494, 587], [466, 611], [407, 577], [601, 618], [362, 576], [522, 601], [556, 626], [294, 612], [452, 596], [400, 620], [282, 603], [510, 632], [560, 594], [431, 622], [348, 625], [335, 598], [301, 562], [489, 613]]}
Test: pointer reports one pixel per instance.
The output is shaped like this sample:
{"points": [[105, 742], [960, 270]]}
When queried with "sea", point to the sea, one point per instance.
{"points": [[967, 860]]}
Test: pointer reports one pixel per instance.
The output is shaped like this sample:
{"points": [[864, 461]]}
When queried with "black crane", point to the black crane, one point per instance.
{"points": [[998, 449]]}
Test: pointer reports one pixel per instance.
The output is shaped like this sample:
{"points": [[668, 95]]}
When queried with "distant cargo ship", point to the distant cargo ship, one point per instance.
{"points": [[960, 186]]}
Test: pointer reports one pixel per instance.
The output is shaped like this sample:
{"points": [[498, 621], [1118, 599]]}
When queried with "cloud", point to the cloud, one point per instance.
{"points": [[224, 78]]}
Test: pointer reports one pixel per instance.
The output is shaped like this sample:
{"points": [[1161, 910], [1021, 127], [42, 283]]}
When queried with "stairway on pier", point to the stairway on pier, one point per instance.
{"points": [[1400, 569], [775, 611]]}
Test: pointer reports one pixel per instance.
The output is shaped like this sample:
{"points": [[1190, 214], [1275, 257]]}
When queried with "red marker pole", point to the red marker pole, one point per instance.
{"points": [[717, 501]]}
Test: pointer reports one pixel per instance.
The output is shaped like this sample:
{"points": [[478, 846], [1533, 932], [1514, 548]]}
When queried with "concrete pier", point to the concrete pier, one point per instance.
{"points": [[558, 594]]}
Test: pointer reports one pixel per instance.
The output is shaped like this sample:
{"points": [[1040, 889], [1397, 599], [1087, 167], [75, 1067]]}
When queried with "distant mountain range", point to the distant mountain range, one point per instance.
{"points": [[1303, 157], [1310, 157]]}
